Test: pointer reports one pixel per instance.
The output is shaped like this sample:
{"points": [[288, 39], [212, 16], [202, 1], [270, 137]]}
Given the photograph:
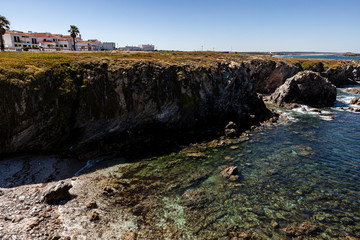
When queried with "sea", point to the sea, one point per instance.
{"points": [[324, 57], [299, 178]]}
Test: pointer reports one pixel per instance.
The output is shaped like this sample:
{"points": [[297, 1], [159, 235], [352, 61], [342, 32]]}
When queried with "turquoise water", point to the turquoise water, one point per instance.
{"points": [[324, 57], [304, 172]]}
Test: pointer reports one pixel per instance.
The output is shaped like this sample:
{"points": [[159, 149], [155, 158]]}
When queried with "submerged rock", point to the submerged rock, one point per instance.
{"points": [[307, 88], [353, 90], [301, 229], [195, 199], [231, 173], [57, 193], [355, 100]]}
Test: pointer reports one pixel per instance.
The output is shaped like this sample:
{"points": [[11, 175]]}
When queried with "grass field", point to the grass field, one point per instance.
{"points": [[45, 60]]}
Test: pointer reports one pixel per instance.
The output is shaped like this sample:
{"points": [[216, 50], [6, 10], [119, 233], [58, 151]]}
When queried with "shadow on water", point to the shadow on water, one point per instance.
{"points": [[42, 168], [32, 169]]}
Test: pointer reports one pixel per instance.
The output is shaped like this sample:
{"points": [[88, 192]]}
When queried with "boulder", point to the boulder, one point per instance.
{"points": [[306, 88], [57, 193], [355, 101]]}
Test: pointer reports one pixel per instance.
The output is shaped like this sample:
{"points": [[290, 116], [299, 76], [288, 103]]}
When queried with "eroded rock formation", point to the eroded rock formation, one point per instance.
{"points": [[307, 88]]}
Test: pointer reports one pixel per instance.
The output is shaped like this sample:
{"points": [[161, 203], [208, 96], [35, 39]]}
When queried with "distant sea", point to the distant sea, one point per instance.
{"points": [[323, 57]]}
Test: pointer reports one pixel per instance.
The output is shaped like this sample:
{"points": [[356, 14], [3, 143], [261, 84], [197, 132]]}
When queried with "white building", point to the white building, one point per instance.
{"points": [[108, 45], [48, 41], [32, 41], [90, 45], [147, 47], [142, 47], [17, 40]]}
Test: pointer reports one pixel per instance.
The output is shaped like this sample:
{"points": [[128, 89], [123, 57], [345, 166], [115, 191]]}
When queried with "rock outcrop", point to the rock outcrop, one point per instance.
{"points": [[306, 88], [267, 76], [85, 107], [57, 193]]}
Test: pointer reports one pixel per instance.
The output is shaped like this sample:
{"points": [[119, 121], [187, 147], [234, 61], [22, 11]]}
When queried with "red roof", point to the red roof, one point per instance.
{"points": [[41, 35]]}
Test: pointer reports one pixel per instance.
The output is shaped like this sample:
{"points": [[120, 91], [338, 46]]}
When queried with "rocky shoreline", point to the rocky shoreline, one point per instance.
{"points": [[117, 107], [89, 108]]}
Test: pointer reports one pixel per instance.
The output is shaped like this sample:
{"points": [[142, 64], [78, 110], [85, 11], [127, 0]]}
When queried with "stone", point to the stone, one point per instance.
{"points": [[231, 130], [108, 191], [301, 229], [230, 133], [129, 236], [33, 222], [355, 101], [195, 199], [1, 193], [306, 88], [243, 236], [353, 90], [230, 171], [196, 155], [94, 216], [57, 193], [91, 204]]}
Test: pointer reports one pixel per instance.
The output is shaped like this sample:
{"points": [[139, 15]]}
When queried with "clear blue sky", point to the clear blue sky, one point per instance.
{"points": [[223, 25]]}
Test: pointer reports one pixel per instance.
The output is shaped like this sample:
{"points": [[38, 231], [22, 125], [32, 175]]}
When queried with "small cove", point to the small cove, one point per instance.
{"points": [[306, 170]]}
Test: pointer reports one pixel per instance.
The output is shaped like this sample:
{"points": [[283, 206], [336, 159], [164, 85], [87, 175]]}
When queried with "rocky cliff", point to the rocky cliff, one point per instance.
{"points": [[267, 74], [86, 107]]}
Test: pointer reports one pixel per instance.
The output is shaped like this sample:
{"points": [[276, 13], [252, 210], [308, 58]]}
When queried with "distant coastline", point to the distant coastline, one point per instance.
{"points": [[324, 56], [349, 54]]}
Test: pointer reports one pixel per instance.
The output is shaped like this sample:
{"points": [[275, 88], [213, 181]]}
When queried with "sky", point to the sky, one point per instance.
{"points": [[187, 25]]}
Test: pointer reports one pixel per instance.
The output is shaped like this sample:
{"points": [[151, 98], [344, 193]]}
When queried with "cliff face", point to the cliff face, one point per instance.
{"points": [[105, 104], [83, 107], [267, 75]]}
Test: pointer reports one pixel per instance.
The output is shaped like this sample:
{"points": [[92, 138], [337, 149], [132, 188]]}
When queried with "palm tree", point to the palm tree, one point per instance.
{"points": [[74, 32], [4, 25]]}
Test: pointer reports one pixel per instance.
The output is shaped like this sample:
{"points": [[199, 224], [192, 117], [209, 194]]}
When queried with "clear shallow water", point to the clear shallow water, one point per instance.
{"points": [[307, 170], [323, 57]]}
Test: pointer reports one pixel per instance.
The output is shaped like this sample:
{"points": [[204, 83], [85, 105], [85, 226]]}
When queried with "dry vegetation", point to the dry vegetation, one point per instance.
{"points": [[20, 61]]}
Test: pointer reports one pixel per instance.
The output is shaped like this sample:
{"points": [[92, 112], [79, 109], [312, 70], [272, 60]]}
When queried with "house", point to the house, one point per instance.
{"points": [[90, 45], [51, 42], [44, 41], [17, 40]]}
